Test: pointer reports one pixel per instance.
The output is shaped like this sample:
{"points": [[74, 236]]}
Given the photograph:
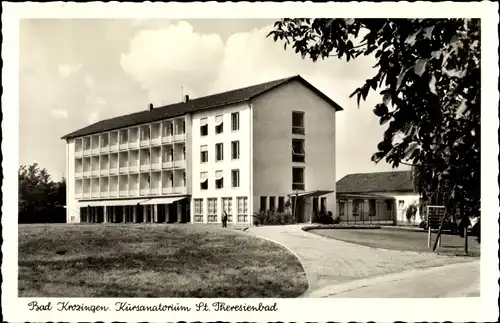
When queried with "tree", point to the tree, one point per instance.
{"points": [[428, 76], [38, 194]]}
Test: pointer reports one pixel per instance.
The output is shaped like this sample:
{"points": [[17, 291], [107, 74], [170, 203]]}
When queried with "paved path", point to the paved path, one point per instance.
{"points": [[332, 262]]}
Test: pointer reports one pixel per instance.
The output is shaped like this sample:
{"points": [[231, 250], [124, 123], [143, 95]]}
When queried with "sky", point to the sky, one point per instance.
{"points": [[74, 72]]}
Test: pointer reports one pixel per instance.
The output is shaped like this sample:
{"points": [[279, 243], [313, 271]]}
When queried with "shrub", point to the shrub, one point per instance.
{"points": [[411, 212], [273, 218], [327, 218]]}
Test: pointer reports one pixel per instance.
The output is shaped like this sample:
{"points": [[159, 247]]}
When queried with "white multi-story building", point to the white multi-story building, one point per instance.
{"points": [[240, 151]]}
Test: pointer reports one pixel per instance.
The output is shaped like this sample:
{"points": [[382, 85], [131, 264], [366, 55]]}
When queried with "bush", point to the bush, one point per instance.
{"points": [[327, 218], [341, 226], [411, 212], [273, 218]]}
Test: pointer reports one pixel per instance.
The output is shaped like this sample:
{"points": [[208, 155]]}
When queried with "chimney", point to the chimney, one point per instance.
{"points": [[150, 108], [186, 98]]}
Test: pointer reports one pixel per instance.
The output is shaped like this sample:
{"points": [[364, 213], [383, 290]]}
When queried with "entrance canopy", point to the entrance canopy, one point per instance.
{"points": [[311, 193], [111, 202], [363, 196], [162, 200]]}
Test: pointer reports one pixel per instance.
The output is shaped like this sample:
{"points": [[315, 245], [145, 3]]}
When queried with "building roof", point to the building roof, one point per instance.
{"points": [[400, 181], [193, 105]]}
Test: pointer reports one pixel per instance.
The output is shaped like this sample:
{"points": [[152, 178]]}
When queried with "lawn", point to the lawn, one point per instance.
{"points": [[400, 239], [156, 260]]}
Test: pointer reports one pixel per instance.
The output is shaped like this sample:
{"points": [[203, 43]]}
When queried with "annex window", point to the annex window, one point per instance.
{"points": [[203, 181], [212, 210], [323, 204], [235, 178], [388, 204], [298, 182], [198, 210], [281, 204], [219, 179], [235, 121], [219, 152], [341, 210], [357, 206], [242, 209], [219, 124], [228, 208], [203, 127], [204, 154], [263, 203], [235, 149], [298, 123], [272, 203], [298, 152], [401, 204], [372, 207]]}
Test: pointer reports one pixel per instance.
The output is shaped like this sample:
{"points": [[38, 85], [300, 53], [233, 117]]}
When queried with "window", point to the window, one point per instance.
{"points": [[212, 210], [204, 154], [356, 207], [203, 181], [219, 124], [272, 203], [298, 152], [341, 210], [263, 202], [228, 208], [198, 210], [219, 179], [388, 204], [372, 208], [145, 133], [242, 209], [219, 152], [281, 204], [323, 204], [203, 127], [235, 178], [235, 149], [298, 123], [298, 178], [235, 121], [401, 204], [123, 137]]}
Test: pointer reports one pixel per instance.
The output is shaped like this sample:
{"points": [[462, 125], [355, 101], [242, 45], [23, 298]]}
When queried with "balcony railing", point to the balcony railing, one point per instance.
{"points": [[86, 194], [154, 191], [86, 173], [95, 194], [180, 137], [105, 149], [104, 193], [124, 145], [133, 144], [155, 165], [113, 147], [95, 172], [104, 172], [133, 169], [145, 167], [86, 152], [78, 153], [113, 170], [156, 141], [124, 192], [167, 190], [113, 193], [166, 139], [78, 174], [123, 169], [144, 142], [95, 150], [144, 191], [78, 195], [180, 163], [167, 164], [180, 190], [132, 192]]}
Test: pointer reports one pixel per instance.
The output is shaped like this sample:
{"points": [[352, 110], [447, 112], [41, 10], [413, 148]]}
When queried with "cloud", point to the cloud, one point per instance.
{"points": [[58, 113], [163, 60], [66, 70], [93, 117]]}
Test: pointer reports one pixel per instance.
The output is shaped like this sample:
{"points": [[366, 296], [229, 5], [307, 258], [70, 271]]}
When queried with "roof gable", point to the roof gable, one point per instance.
{"points": [[400, 181], [193, 105]]}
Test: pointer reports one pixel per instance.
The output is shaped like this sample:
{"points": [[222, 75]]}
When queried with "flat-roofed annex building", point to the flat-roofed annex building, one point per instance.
{"points": [[239, 151]]}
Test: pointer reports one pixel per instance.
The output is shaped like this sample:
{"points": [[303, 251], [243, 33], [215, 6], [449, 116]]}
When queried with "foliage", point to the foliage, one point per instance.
{"points": [[428, 75], [411, 211], [39, 196], [327, 218], [270, 217]]}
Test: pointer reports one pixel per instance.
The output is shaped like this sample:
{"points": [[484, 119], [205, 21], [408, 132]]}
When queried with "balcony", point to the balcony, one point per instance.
{"points": [[113, 147], [144, 143], [105, 149], [95, 172], [124, 146], [167, 190], [78, 153], [123, 192], [144, 191], [166, 139], [104, 172], [156, 141], [86, 152], [180, 163], [113, 170], [123, 169], [154, 191], [133, 169], [78, 174], [133, 144], [180, 190], [132, 192], [155, 166], [180, 137], [167, 164], [145, 167], [86, 173], [95, 151]]}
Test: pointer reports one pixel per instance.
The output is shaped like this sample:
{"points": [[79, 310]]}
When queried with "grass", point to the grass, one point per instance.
{"points": [[403, 240], [153, 261]]}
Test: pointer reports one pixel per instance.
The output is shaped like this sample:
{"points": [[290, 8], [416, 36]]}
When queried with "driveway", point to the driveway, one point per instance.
{"points": [[330, 262]]}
